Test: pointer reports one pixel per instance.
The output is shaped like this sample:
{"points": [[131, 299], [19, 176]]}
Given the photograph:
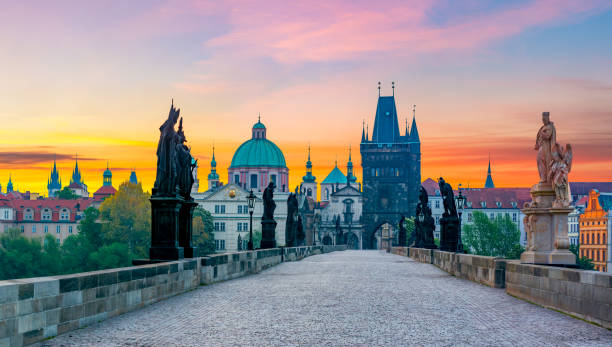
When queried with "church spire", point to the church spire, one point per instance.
{"points": [[76, 174], [54, 183], [406, 134], [213, 176], [489, 181], [363, 138], [414, 132], [309, 178], [9, 186], [349, 169]]}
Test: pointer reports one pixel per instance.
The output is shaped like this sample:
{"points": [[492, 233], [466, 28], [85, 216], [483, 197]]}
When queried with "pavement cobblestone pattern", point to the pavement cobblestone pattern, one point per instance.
{"points": [[351, 298]]}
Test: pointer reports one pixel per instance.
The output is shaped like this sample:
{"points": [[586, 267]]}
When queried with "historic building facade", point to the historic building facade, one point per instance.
{"points": [[257, 162], [391, 166], [595, 229]]}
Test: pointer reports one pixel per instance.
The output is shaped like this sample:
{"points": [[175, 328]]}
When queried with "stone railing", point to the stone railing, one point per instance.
{"points": [[33, 309], [582, 293]]}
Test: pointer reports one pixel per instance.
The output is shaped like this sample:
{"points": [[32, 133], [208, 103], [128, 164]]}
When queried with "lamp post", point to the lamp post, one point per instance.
{"points": [[251, 202], [460, 200]]}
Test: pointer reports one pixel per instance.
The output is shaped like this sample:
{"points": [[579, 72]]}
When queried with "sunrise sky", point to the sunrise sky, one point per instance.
{"points": [[96, 78]]}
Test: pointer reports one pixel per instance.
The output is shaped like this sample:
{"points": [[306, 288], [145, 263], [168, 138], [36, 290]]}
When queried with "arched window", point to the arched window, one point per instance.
{"points": [[64, 214], [46, 214], [28, 214]]}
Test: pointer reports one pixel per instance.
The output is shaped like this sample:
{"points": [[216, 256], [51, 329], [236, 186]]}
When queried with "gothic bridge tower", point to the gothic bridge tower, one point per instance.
{"points": [[391, 166]]}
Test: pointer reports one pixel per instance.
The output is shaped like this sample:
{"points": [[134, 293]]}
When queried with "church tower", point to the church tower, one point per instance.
{"points": [[309, 182], [133, 178], [107, 177], [54, 184], [489, 181], [213, 176], [391, 165], [9, 186], [350, 178]]}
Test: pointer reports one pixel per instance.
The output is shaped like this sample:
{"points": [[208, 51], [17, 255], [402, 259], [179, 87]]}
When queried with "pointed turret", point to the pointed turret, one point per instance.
{"points": [[54, 184], [133, 178], [414, 132], [9, 186], [363, 136], [76, 174], [309, 178], [489, 181], [213, 176], [349, 170], [406, 134], [386, 127]]}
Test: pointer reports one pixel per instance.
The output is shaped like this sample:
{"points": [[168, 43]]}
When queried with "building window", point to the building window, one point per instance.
{"points": [[33, 229], [220, 244], [22, 229], [514, 217], [64, 214], [219, 226], [253, 181], [58, 229], [220, 209], [437, 220], [46, 228], [437, 203], [46, 214], [309, 192], [273, 178], [6, 214], [28, 214], [70, 229], [239, 226], [239, 209], [492, 216], [326, 194], [236, 178]]}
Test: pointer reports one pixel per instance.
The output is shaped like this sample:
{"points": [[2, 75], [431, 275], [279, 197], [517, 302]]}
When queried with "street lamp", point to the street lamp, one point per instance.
{"points": [[460, 200], [251, 202]]}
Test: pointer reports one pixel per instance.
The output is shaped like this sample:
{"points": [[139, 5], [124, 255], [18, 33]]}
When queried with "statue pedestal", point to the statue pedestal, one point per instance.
{"points": [[449, 229], [186, 228], [268, 234], [165, 228], [546, 227]]}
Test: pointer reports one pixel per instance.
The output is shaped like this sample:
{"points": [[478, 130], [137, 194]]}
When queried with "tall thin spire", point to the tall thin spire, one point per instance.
{"points": [[393, 87], [367, 132], [414, 132], [309, 178], [406, 134], [489, 181], [378, 88], [363, 131]]}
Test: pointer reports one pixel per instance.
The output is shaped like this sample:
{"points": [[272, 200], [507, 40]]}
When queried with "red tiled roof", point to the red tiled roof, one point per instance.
{"points": [[505, 196], [104, 192], [431, 187], [75, 185], [55, 205]]}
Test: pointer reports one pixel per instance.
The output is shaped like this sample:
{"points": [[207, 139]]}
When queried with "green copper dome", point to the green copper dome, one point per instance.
{"points": [[258, 151]]}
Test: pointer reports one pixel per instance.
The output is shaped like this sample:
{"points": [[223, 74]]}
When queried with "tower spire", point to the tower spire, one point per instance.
{"points": [[367, 132], [406, 134], [393, 87], [489, 181], [414, 132], [363, 131], [379, 88]]}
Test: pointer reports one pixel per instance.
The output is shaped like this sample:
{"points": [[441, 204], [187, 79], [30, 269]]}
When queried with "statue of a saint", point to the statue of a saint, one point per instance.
{"points": [[545, 141], [268, 202], [184, 163], [561, 166], [448, 198], [165, 180]]}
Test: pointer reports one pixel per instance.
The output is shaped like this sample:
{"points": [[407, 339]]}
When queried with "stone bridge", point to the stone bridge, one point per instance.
{"points": [[350, 298]]}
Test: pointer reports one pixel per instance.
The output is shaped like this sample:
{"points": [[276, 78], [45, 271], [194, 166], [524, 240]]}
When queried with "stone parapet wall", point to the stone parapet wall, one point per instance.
{"points": [[403, 251], [422, 255], [489, 271], [33, 309], [582, 293], [334, 248]]}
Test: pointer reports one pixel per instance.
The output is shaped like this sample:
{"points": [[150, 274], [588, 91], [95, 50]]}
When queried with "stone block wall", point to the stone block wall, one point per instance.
{"points": [[403, 251], [422, 255], [334, 248], [36, 308], [582, 293], [33, 309], [489, 271]]}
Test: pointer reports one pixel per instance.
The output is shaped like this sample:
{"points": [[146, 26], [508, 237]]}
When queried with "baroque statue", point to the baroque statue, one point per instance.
{"points": [[165, 180], [554, 161], [448, 198], [268, 202], [401, 239], [185, 165], [290, 225]]}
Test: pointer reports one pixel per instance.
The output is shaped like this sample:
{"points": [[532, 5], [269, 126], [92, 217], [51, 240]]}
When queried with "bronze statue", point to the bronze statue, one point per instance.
{"points": [[448, 198], [301, 235], [401, 240], [268, 202], [165, 180]]}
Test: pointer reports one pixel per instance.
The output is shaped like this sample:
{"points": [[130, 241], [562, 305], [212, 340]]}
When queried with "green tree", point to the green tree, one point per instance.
{"points": [[111, 256], [90, 227], [583, 263], [51, 257], [256, 239], [497, 238], [126, 218], [203, 236], [66, 194], [75, 252], [20, 257]]}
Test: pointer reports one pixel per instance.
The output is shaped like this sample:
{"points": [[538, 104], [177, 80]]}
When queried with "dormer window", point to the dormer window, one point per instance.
{"points": [[498, 203], [513, 203], [28, 214], [483, 204], [45, 214], [64, 214], [469, 204]]}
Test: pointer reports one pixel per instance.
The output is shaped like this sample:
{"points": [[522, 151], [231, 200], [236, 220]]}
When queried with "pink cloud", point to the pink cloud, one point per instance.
{"points": [[295, 32]]}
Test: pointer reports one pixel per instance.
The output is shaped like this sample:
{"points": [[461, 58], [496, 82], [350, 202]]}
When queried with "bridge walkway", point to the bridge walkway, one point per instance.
{"points": [[351, 298]]}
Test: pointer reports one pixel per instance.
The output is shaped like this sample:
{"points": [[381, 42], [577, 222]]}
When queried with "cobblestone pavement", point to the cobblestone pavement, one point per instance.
{"points": [[352, 298]]}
